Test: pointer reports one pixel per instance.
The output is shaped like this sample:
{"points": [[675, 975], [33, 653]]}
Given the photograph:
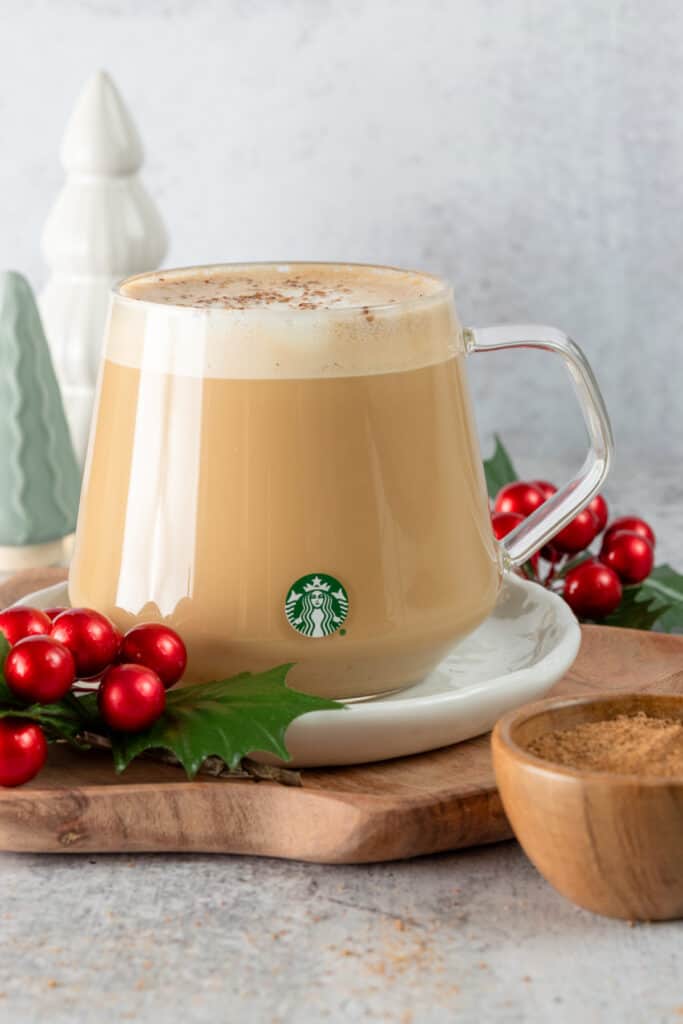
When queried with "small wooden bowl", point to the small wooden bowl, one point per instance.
{"points": [[611, 843]]}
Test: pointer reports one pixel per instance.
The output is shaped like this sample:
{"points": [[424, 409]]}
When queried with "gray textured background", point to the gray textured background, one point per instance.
{"points": [[532, 150]]}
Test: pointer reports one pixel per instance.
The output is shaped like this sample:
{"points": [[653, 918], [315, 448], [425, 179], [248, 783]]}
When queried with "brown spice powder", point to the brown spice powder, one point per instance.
{"points": [[633, 744]]}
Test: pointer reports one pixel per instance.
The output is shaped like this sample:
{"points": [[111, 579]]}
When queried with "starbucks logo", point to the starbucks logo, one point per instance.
{"points": [[316, 605]]}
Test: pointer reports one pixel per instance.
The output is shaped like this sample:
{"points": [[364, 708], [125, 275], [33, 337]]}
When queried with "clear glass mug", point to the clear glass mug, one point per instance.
{"points": [[283, 465]]}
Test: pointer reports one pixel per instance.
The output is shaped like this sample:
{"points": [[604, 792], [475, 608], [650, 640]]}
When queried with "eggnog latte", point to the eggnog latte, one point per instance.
{"points": [[284, 468]]}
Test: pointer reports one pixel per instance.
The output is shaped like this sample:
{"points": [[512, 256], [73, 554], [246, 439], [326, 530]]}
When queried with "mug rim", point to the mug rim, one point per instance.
{"points": [[442, 293]]}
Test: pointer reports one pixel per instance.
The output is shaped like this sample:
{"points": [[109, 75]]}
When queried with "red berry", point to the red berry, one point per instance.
{"points": [[629, 554], [130, 697], [16, 623], [52, 613], [40, 670], [23, 750], [598, 507], [520, 497], [547, 489], [504, 522], [592, 590], [635, 525], [578, 534], [157, 647], [93, 640]]}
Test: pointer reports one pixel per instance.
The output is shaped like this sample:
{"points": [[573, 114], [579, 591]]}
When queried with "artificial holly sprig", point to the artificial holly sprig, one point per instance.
{"points": [[226, 719], [619, 587]]}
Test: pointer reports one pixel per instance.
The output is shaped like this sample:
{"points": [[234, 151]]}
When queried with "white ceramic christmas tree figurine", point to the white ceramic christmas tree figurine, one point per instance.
{"points": [[102, 227]]}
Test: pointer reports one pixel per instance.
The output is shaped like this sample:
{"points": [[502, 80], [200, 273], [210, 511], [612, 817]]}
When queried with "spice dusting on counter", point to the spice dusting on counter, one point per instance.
{"points": [[637, 744]]}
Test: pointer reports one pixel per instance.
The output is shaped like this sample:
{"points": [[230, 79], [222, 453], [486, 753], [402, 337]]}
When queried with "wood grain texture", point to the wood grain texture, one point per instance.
{"points": [[611, 843], [431, 802]]}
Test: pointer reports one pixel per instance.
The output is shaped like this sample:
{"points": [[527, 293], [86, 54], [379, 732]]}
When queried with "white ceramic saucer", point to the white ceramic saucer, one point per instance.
{"points": [[527, 644]]}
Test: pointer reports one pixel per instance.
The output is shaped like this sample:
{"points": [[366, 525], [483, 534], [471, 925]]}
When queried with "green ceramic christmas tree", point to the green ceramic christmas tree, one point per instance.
{"points": [[38, 469]]}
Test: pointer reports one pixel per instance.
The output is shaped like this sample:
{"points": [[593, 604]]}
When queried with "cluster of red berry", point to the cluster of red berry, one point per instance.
{"points": [[592, 588], [52, 650]]}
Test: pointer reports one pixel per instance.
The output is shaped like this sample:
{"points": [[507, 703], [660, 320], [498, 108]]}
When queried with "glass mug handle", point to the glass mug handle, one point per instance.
{"points": [[542, 525]]}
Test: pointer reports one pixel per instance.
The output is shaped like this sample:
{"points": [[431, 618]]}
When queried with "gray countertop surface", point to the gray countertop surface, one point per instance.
{"points": [[470, 936]]}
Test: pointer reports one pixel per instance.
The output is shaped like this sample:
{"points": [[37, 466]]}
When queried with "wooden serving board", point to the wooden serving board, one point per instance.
{"points": [[431, 802]]}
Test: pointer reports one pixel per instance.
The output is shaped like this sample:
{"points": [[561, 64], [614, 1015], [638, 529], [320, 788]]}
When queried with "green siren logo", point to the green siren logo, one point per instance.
{"points": [[316, 605]]}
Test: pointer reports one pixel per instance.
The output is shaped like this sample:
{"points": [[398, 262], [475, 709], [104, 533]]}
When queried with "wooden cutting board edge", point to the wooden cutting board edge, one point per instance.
{"points": [[260, 819]]}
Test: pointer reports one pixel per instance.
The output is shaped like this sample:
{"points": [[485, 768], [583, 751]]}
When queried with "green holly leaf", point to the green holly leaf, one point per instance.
{"points": [[657, 602], [88, 710], [499, 470], [665, 585], [637, 610], [58, 720], [5, 692], [228, 719]]}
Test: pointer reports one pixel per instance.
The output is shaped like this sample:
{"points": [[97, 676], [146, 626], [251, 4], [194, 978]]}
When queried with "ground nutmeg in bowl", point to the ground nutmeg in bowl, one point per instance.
{"points": [[638, 744]]}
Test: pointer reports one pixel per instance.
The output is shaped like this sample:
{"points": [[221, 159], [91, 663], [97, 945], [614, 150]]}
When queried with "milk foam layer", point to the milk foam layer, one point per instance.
{"points": [[299, 286], [282, 321]]}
